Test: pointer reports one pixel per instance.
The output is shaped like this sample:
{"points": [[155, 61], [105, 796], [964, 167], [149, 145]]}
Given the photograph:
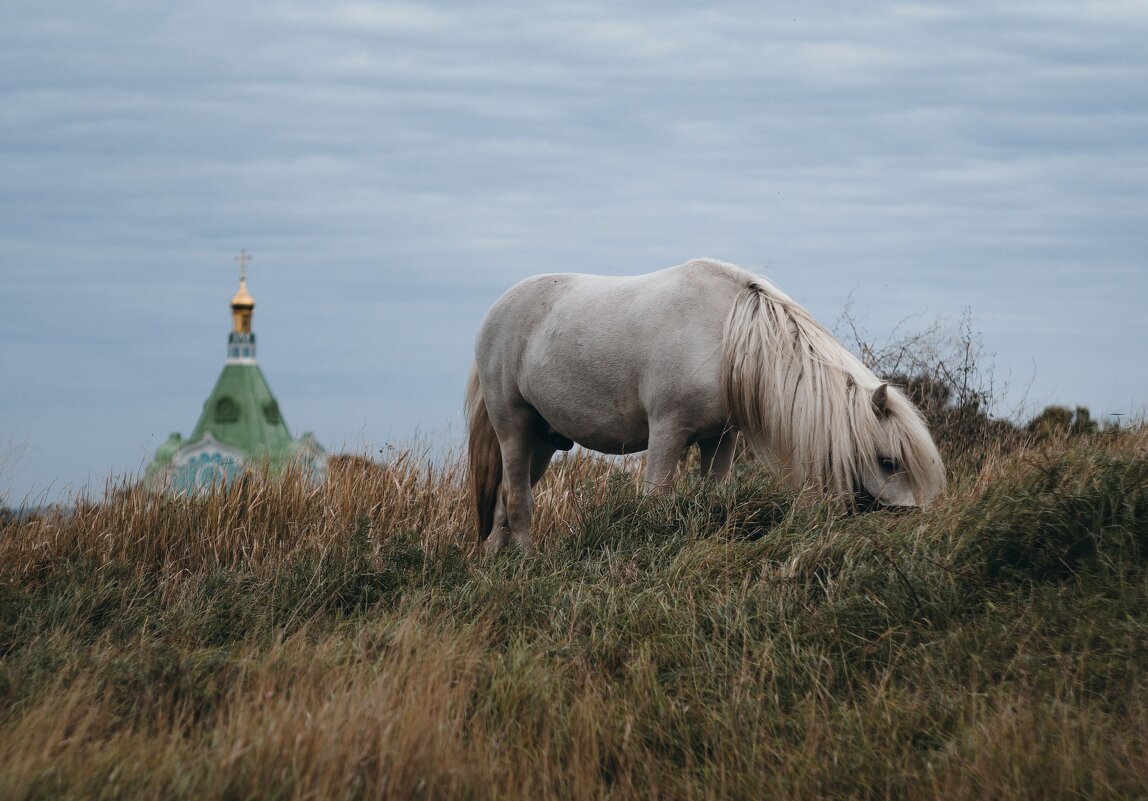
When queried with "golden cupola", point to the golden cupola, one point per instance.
{"points": [[241, 341], [242, 304]]}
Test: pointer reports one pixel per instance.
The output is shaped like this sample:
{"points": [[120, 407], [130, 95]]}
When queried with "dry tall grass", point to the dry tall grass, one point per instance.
{"points": [[281, 640]]}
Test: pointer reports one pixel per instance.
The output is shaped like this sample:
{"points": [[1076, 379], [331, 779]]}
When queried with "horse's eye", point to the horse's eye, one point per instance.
{"points": [[889, 464]]}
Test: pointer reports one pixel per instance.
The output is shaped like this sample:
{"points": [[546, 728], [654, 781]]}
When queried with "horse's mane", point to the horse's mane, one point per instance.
{"points": [[805, 403]]}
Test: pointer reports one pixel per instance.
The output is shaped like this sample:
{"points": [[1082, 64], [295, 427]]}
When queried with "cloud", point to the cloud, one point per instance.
{"points": [[395, 166]]}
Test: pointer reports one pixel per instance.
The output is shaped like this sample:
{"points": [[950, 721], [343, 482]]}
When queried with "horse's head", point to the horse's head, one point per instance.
{"points": [[899, 465]]}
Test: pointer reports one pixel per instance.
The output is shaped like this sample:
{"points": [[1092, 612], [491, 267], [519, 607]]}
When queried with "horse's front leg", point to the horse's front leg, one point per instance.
{"points": [[667, 441], [717, 454]]}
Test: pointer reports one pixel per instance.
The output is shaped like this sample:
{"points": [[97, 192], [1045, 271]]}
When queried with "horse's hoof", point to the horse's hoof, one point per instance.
{"points": [[495, 543]]}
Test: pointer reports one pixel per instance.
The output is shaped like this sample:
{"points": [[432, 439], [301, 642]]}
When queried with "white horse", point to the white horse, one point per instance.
{"points": [[695, 353]]}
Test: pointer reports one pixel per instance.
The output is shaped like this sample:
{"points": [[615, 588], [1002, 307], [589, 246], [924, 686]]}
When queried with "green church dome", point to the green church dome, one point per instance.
{"points": [[241, 426]]}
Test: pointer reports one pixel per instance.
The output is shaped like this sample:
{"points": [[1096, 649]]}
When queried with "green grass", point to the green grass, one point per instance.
{"points": [[738, 641]]}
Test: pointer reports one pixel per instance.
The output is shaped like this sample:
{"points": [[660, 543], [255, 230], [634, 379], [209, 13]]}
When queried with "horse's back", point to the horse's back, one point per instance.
{"points": [[638, 302], [603, 316]]}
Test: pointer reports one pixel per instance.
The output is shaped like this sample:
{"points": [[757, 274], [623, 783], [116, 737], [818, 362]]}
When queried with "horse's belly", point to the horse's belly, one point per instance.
{"points": [[605, 424], [605, 442]]}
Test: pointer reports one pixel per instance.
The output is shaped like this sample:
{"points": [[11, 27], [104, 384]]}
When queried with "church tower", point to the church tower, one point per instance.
{"points": [[241, 426]]}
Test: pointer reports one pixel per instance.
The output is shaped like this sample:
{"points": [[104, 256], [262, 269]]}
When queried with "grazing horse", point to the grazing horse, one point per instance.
{"points": [[701, 352]]}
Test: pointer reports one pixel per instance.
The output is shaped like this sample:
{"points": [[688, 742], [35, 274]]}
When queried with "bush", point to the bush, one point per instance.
{"points": [[944, 371], [1060, 421]]}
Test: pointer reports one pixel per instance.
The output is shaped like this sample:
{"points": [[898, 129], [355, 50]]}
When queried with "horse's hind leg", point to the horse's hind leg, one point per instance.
{"points": [[717, 455], [525, 456], [540, 460], [540, 457]]}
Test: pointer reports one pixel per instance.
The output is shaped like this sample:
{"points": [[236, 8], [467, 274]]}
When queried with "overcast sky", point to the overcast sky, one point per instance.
{"points": [[394, 167]]}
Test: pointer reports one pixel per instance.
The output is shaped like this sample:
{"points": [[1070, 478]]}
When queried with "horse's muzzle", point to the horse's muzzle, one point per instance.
{"points": [[863, 502]]}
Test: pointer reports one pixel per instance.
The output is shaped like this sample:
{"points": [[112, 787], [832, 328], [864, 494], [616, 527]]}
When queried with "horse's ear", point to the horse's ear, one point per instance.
{"points": [[881, 400]]}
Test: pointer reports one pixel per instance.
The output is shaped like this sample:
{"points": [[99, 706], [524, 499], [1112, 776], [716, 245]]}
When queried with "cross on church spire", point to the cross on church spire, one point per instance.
{"points": [[242, 260]]}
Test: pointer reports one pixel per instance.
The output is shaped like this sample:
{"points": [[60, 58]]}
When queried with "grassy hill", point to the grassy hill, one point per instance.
{"points": [[340, 642]]}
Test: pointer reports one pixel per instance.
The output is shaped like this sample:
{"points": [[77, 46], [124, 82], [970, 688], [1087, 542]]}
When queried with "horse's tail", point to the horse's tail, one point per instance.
{"points": [[485, 458]]}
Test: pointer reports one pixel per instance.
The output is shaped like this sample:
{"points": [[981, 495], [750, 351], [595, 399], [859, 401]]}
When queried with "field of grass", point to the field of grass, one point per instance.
{"points": [[283, 641]]}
